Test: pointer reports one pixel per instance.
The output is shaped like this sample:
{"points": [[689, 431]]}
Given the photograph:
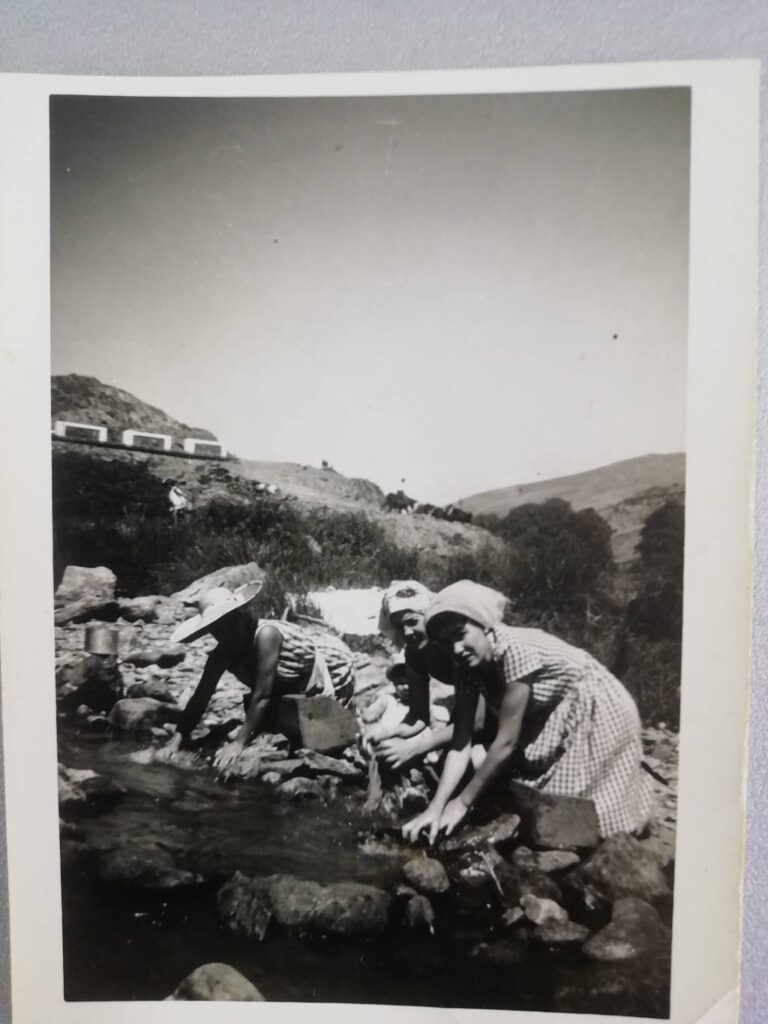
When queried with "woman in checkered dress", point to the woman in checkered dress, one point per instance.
{"points": [[565, 725]]}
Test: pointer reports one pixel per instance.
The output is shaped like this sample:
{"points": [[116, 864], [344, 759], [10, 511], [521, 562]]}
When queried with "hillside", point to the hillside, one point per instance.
{"points": [[623, 492], [86, 400]]}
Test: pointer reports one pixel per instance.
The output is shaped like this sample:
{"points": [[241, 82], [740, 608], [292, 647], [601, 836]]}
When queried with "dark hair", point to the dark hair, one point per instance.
{"points": [[445, 618]]}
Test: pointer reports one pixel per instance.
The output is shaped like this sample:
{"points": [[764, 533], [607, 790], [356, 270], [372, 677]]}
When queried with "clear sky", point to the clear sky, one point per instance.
{"points": [[464, 292]]}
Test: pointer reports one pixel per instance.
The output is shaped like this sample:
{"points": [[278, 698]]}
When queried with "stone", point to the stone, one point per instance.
{"points": [[512, 917], [556, 822], [231, 576], [154, 688], [271, 778], [166, 656], [524, 857], [541, 911], [517, 882], [550, 861], [500, 831], [403, 891], [560, 933], [318, 723], [85, 583], [586, 899], [342, 908], [302, 789], [635, 929], [419, 914], [140, 609], [146, 867], [499, 954], [141, 714], [86, 610], [244, 906], [218, 982], [82, 792], [92, 680], [622, 866], [427, 876], [320, 764]]}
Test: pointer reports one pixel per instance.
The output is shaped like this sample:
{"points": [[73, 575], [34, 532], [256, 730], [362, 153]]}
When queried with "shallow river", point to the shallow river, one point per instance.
{"points": [[127, 943]]}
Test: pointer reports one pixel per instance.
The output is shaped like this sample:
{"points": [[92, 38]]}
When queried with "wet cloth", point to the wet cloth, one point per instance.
{"points": [[581, 730], [316, 662]]}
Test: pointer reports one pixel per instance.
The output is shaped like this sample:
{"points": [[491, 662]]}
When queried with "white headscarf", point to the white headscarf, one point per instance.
{"points": [[402, 596], [472, 600]]}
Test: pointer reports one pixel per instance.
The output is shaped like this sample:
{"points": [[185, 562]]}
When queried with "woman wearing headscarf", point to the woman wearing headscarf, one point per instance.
{"points": [[271, 657], [565, 725], [402, 619]]}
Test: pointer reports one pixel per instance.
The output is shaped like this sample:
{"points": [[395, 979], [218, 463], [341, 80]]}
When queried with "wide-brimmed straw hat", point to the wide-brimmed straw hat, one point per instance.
{"points": [[213, 605]]}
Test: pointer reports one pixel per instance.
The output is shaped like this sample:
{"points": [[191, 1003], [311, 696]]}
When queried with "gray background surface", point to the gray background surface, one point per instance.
{"points": [[230, 37]]}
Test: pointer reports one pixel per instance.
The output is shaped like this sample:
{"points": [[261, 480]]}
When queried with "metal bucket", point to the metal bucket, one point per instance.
{"points": [[100, 639]]}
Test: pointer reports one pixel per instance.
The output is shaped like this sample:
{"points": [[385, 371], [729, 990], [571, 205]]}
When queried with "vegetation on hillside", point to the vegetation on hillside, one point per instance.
{"points": [[554, 563]]}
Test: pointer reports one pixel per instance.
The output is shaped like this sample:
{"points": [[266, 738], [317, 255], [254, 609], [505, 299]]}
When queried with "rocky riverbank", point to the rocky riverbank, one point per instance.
{"points": [[526, 888]]}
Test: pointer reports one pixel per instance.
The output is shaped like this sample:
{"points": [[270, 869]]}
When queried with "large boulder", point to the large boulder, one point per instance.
{"points": [[623, 866], [142, 714], [217, 982], [80, 583], [340, 908], [228, 576], [427, 876], [635, 929], [157, 689], [556, 822], [244, 906]]}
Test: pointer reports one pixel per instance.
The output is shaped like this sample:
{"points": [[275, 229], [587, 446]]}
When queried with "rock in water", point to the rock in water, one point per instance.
{"points": [[244, 906], [85, 584], [427, 875], [556, 822], [622, 866], [217, 982], [90, 679], [302, 789], [561, 933], [147, 867], [419, 914], [543, 911], [140, 714], [635, 929], [517, 882], [497, 832], [343, 908], [83, 792], [321, 764], [550, 861]]}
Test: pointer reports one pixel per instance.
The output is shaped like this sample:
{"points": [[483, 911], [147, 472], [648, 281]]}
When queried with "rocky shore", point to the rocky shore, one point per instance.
{"points": [[531, 880]]}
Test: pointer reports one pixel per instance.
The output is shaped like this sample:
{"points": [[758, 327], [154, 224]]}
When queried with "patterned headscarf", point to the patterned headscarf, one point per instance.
{"points": [[402, 596], [481, 604]]}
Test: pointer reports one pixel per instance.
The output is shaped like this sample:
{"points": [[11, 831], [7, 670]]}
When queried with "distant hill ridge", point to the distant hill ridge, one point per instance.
{"points": [[625, 493], [83, 399]]}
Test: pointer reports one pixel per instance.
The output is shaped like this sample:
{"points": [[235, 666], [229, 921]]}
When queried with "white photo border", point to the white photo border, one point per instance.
{"points": [[721, 402]]}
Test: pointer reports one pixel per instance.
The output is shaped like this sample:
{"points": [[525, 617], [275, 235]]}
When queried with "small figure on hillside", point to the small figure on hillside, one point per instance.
{"points": [[179, 502], [564, 724], [270, 656]]}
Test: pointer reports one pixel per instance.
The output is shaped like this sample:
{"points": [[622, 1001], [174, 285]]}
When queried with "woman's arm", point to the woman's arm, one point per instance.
{"points": [[268, 644], [198, 702], [456, 763], [511, 715]]}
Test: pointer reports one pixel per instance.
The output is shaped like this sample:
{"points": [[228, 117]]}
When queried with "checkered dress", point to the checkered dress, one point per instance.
{"points": [[581, 730]]}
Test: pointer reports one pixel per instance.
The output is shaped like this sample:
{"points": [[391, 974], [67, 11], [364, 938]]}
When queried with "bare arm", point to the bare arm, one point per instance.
{"points": [[268, 644], [198, 702], [510, 721]]}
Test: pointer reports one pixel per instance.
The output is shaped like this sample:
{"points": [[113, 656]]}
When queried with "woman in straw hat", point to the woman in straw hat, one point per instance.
{"points": [[565, 724], [402, 620], [272, 658]]}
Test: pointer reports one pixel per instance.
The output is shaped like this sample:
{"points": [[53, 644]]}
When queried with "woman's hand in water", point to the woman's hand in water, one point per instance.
{"points": [[454, 813], [227, 756], [166, 753], [396, 752], [429, 819]]}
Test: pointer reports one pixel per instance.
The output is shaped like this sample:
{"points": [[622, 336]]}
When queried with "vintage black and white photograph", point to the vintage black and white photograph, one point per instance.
{"points": [[368, 434]]}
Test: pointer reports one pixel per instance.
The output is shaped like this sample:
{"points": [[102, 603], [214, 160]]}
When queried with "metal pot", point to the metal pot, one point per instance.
{"points": [[100, 639]]}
